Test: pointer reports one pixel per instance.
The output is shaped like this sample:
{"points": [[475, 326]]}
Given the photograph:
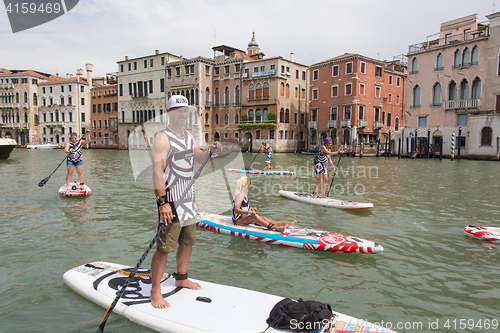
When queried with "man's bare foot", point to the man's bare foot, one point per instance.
{"points": [[187, 284], [278, 228], [287, 224], [157, 300]]}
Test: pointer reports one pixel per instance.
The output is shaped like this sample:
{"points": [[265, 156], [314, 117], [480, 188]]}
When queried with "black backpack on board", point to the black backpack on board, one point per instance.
{"points": [[299, 315]]}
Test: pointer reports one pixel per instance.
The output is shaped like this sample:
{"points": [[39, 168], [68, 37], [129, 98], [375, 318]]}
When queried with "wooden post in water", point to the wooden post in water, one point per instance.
{"points": [[399, 148], [459, 141], [378, 146], [441, 149], [361, 148]]}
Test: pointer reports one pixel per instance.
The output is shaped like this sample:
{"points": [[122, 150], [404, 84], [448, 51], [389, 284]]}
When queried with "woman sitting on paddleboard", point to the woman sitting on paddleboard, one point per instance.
{"points": [[243, 214], [321, 165]]}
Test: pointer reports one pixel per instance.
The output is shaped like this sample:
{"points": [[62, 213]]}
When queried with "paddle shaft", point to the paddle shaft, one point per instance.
{"points": [[45, 180], [253, 159], [100, 329], [331, 183]]}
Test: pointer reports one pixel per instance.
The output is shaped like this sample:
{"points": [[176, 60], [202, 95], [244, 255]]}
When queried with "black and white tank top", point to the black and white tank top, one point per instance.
{"points": [[76, 154], [245, 205], [269, 151], [179, 170], [321, 158]]}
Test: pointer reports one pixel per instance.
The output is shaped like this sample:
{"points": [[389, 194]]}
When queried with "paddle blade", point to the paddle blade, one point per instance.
{"points": [[43, 181]]}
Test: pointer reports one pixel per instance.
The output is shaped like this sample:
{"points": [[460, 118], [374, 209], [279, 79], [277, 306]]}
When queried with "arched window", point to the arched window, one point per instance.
{"points": [[436, 94], [236, 119], [287, 90], [216, 119], [216, 97], [457, 57], [466, 57], [197, 97], [439, 62], [476, 88], [250, 116], [282, 115], [258, 116], [226, 119], [475, 56], [265, 90], [237, 95], [266, 114], [486, 136], [452, 90], [251, 91], [282, 89], [207, 119], [464, 89], [287, 116], [226, 96], [207, 96], [396, 124], [17, 97], [414, 66], [25, 97], [416, 96], [26, 117], [35, 99], [258, 90]]}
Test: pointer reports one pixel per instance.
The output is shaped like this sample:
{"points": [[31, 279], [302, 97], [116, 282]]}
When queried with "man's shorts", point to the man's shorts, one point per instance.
{"points": [[71, 163], [268, 159], [175, 233]]}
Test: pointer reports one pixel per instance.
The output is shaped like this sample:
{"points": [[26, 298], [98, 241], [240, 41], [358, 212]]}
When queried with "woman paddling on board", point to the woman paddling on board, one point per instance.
{"points": [[321, 166], [74, 150], [243, 214]]}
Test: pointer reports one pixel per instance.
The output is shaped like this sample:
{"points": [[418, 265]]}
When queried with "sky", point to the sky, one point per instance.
{"points": [[102, 32]]}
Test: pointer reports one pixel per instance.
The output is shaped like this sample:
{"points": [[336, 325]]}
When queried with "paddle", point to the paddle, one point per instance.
{"points": [[46, 179], [252, 160], [331, 183], [100, 329]]}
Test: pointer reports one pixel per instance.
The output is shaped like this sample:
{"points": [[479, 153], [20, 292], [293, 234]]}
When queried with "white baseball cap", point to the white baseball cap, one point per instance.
{"points": [[177, 101]]}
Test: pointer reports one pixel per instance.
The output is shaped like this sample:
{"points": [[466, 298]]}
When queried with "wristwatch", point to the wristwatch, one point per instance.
{"points": [[161, 200]]}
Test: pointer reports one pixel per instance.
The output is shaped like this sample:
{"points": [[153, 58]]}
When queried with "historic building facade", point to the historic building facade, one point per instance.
{"points": [[104, 118], [356, 99], [446, 86]]}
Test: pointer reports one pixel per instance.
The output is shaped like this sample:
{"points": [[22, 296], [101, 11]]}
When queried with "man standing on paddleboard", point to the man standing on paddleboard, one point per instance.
{"points": [[174, 152], [269, 153]]}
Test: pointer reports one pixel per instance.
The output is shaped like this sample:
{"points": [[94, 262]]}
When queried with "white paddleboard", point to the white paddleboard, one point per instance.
{"points": [[342, 204], [231, 309]]}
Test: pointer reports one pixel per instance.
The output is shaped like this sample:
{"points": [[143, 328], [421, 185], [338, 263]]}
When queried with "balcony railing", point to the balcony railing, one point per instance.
{"points": [[345, 123], [362, 123], [332, 123], [313, 125], [449, 40], [378, 124], [462, 104]]}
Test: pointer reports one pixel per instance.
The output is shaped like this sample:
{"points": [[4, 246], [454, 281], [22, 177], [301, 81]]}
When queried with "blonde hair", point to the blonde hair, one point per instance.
{"points": [[242, 182]]}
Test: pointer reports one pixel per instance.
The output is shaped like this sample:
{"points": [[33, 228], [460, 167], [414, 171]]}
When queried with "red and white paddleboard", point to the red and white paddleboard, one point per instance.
{"points": [[293, 236], [74, 189], [484, 233], [264, 172]]}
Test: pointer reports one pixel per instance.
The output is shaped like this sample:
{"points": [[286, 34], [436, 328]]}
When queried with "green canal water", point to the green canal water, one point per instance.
{"points": [[430, 277]]}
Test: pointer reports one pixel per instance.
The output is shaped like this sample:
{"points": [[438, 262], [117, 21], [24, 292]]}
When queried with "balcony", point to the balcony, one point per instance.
{"points": [[6, 105], [462, 104], [208, 105], [25, 105], [362, 123], [377, 125], [481, 33], [332, 123], [313, 125], [345, 123]]}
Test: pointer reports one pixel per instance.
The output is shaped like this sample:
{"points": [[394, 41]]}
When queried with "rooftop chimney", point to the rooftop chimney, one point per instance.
{"points": [[157, 52], [89, 68], [79, 73], [126, 57], [292, 57]]}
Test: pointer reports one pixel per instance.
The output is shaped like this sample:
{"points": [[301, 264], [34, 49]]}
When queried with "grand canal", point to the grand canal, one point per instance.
{"points": [[430, 275]]}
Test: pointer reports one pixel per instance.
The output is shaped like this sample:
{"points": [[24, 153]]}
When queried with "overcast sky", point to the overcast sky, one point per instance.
{"points": [[103, 32]]}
